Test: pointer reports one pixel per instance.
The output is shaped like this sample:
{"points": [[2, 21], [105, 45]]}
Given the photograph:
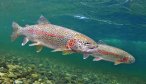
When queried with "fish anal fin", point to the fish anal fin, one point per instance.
{"points": [[25, 41], [42, 20], [39, 48]]}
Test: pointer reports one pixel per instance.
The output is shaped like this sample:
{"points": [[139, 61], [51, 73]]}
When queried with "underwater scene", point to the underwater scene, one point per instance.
{"points": [[118, 26]]}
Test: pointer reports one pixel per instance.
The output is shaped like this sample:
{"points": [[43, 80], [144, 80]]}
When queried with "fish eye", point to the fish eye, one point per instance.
{"points": [[87, 43]]}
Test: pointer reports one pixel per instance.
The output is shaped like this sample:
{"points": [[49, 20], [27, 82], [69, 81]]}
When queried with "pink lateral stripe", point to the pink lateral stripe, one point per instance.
{"points": [[39, 32], [103, 52], [125, 59]]}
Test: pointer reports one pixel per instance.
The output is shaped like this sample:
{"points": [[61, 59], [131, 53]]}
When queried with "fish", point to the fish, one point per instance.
{"points": [[58, 38], [112, 54]]}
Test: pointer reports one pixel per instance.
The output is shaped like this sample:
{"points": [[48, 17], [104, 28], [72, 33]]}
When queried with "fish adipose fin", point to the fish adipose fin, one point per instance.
{"points": [[25, 40], [42, 20], [15, 32]]}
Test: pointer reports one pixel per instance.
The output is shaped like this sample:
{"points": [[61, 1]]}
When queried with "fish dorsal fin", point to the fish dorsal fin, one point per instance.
{"points": [[42, 20]]}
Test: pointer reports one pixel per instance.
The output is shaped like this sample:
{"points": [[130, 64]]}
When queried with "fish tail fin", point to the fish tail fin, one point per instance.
{"points": [[15, 32]]}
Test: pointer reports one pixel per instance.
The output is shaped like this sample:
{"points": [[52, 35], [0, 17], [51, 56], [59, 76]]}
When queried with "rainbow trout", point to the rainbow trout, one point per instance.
{"points": [[54, 37], [68, 41], [113, 54]]}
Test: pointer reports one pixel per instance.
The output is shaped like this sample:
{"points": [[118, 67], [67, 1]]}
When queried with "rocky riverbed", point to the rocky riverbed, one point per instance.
{"points": [[15, 69]]}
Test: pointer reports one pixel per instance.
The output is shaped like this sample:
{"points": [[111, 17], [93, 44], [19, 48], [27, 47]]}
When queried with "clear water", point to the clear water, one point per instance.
{"points": [[120, 23]]}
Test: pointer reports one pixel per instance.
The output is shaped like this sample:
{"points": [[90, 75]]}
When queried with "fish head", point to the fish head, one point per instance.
{"points": [[84, 46], [128, 59]]}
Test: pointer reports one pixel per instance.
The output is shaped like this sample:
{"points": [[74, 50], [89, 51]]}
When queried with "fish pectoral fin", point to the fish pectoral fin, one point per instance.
{"points": [[39, 48], [35, 44], [117, 62], [26, 25], [85, 56], [25, 40], [60, 49], [67, 52], [57, 50], [42, 20], [97, 59], [64, 51]]}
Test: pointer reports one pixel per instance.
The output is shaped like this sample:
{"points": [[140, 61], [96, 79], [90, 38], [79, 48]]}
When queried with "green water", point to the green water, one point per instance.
{"points": [[117, 22]]}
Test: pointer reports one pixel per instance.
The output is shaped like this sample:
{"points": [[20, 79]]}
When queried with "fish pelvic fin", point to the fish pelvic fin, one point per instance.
{"points": [[39, 48], [97, 59], [65, 51], [15, 32], [117, 63], [60, 49]]}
